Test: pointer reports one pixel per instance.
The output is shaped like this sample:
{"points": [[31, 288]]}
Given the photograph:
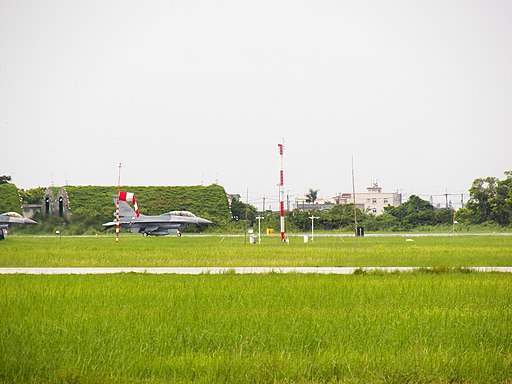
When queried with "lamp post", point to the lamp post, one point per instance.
{"points": [[259, 218], [313, 227]]}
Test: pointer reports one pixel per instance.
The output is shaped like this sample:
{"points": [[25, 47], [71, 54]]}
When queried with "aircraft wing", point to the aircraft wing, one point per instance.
{"points": [[10, 218], [145, 223]]}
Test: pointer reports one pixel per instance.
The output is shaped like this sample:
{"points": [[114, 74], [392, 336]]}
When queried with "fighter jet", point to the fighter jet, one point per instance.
{"points": [[161, 225], [9, 218]]}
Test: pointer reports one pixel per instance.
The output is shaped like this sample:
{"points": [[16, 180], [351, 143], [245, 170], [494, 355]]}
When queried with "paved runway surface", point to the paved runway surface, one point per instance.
{"points": [[222, 270]]}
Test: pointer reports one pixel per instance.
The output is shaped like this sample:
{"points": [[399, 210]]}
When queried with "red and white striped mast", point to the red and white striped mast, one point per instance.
{"points": [[281, 190], [117, 203]]}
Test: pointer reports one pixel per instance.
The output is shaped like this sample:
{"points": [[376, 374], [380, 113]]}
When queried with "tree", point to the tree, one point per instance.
{"points": [[443, 216], [413, 213], [414, 205], [243, 211], [312, 195], [9, 198], [5, 179], [32, 196], [481, 194], [501, 204], [299, 220], [338, 216], [490, 199], [381, 222]]}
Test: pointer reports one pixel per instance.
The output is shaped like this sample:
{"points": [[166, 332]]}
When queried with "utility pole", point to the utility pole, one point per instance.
{"points": [[354, 197], [246, 217]]}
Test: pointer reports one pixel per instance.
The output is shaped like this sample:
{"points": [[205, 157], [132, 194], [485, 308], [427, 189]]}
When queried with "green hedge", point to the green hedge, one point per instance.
{"points": [[209, 202], [9, 198]]}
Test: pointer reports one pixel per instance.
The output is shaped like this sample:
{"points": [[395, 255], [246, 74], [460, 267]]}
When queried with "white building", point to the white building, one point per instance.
{"points": [[372, 201], [319, 204]]}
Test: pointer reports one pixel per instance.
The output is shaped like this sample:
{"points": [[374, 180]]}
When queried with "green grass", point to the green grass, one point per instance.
{"points": [[397, 328], [136, 251], [421, 327]]}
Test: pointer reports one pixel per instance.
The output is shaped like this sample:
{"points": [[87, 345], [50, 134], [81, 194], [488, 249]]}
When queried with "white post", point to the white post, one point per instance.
{"points": [[259, 218], [313, 226]]}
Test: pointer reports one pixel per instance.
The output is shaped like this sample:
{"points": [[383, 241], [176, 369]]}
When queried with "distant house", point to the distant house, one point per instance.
{"points": [[342, 198], [373, 201], [319, 204], [233, 196]]}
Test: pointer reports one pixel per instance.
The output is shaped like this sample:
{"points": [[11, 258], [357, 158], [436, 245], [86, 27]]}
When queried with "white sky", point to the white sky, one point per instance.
{"points": [[193, 91]]}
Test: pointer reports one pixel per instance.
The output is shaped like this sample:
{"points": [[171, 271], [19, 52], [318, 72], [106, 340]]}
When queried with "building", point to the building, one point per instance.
{"points": [[30, 210], [319, 204], [373, 201], [56, 206]]}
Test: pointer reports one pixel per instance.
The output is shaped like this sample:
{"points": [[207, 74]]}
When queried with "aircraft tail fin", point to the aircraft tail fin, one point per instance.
{"points": [[124, 208]]}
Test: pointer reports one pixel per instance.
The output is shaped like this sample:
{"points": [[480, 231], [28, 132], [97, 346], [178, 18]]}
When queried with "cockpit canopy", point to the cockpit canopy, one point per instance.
{"points": [[12, 214], [181, 213]]}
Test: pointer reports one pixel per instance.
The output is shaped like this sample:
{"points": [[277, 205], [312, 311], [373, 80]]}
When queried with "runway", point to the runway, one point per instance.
{"points": [[224, 270]]}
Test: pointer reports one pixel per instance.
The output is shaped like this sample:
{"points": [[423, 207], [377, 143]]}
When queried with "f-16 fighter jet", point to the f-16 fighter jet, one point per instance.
{"points": [[161, 225], [9, 218]]}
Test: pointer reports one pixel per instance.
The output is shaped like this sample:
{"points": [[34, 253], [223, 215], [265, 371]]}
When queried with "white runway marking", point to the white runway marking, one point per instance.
{"points": [[221, 270]]}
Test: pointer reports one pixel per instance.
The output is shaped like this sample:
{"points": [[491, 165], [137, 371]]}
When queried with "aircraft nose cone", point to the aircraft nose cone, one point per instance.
{"points": [[29, 221], [203, 221]]}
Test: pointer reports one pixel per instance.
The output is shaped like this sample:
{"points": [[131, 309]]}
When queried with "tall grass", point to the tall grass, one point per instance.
{"points": [[457, 251], [265, 328]]}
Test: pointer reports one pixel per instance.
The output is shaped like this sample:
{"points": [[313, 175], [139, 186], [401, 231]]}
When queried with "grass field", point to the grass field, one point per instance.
{"points": [[416, 327], [419, 327], [457, 251]]}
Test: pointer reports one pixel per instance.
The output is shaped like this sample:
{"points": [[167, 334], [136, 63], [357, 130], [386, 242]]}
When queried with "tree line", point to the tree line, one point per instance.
{"points": [[490, 203]]}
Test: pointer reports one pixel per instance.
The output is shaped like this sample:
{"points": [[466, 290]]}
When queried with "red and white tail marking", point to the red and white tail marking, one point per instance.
{"points": [[129, 197]]}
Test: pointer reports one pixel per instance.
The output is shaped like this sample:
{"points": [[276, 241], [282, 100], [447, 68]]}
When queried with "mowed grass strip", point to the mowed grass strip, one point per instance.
{"points": [[414, 327], [136, 251]]}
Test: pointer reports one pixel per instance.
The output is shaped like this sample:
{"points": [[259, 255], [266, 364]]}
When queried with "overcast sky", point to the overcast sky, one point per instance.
{"points": [[192, 92]]}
